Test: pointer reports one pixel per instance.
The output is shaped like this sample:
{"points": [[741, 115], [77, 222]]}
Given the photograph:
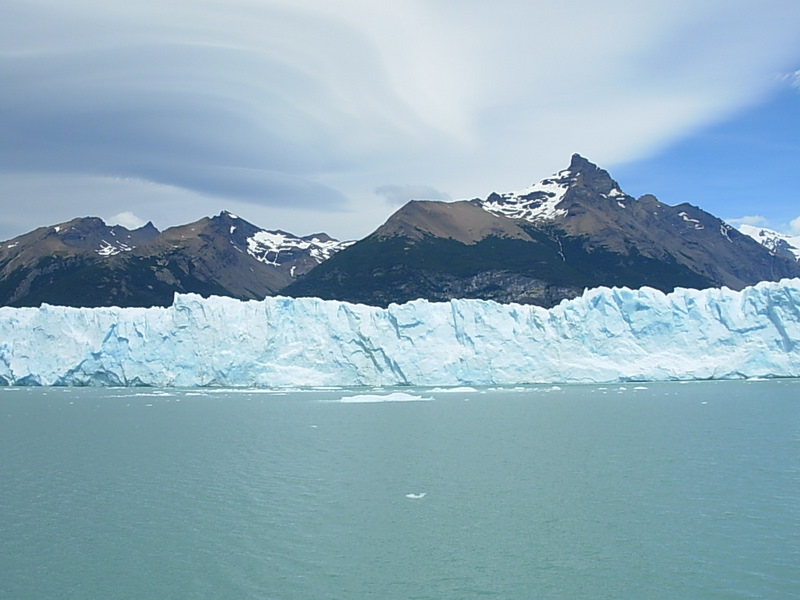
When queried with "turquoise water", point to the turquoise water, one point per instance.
{"points": [[673, 491]]}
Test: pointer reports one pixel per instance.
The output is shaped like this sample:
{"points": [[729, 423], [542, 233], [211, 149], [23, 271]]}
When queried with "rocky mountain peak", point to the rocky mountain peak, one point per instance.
{"points": [[549, 199], [587, 174]]}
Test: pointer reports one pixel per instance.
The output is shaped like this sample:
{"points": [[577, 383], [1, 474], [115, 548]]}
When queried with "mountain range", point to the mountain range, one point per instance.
{"points": [[85, 262], [574, 230]]}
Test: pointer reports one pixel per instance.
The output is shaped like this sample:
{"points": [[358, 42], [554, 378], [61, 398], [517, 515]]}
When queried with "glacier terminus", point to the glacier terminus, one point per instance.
{"points": [[606, 335]]}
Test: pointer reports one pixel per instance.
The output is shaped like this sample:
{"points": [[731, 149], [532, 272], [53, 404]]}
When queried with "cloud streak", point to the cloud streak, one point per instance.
{"points": [[400, 194], [315, 105]]}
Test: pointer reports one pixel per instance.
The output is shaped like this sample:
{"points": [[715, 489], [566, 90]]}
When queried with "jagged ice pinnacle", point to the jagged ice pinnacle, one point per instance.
{"points": [[606, 335]]}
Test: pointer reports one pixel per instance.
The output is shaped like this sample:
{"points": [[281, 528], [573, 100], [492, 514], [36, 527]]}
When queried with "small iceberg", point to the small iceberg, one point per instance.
{"points": [[153, 394], [393, 397], [416, 496]]}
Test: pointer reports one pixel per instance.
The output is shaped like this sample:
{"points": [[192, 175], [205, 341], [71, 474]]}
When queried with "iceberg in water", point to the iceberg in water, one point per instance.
{"points": [[607, 335]]}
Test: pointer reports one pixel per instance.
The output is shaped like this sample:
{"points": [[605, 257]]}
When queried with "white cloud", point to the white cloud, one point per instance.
{"points": [[791, 228], [749, 220], [793, 78], [127, 219]]}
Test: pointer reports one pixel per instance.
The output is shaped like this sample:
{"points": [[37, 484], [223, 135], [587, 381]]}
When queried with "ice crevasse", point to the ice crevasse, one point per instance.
{"points": [[606, 335]]}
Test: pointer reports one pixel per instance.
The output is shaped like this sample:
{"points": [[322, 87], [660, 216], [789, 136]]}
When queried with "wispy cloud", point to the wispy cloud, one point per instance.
{"points": [[793, 78], [400, 194]]}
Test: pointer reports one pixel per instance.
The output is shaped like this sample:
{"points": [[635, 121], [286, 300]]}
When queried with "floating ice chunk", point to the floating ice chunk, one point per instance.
{"points": [[416, 496], [393, 397], [453, 390]]}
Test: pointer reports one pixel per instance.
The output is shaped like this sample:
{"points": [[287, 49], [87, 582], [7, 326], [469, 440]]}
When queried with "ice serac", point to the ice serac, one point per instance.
{"points": [[606, 335]]}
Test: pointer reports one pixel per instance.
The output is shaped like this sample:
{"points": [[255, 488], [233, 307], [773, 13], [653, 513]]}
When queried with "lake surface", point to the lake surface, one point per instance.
{"points": [[655, 490]]}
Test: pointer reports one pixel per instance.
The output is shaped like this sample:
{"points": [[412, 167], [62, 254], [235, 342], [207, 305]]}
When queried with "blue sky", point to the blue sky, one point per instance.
{"points": [[742, 169], [312, 115]]}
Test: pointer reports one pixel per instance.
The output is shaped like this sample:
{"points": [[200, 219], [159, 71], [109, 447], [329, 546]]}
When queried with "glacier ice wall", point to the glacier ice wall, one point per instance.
{"points": [[606, 335]]}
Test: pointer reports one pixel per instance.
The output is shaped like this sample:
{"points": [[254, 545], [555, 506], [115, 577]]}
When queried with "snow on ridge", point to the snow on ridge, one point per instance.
{"points": [[267, 246], [772, 240], [607, 335], [322, 251], [540, 201], [536, 203]]}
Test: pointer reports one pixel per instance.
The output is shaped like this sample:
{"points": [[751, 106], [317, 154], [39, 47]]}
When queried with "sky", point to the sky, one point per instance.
{"points": [[328, 115]]}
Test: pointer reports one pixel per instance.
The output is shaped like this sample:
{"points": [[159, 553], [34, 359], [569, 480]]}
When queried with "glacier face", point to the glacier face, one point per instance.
{"points": [[607, 335]]}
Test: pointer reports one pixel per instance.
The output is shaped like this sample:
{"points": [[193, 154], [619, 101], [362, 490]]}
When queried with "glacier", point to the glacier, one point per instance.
{"points": [[606, 335]]}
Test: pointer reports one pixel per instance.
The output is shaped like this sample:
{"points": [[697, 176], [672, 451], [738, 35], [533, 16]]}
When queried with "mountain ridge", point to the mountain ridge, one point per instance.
{"points": [[574, 230], [86, 262]]}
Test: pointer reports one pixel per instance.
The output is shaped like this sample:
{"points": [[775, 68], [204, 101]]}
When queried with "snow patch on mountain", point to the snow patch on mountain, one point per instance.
{"points": [[777, 243], [267, 246], [108, 249], [724, 230], [694, 222], [536, 203]]}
